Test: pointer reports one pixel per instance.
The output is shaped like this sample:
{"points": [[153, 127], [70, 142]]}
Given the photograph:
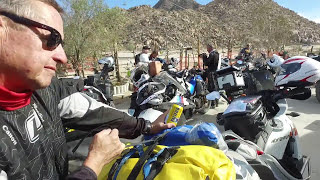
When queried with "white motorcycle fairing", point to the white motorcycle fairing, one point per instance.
{"points": [[281, 132], [150, 114]]}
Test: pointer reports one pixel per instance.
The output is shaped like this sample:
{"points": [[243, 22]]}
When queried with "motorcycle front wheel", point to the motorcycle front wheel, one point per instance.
{"points": [[206, 106]]}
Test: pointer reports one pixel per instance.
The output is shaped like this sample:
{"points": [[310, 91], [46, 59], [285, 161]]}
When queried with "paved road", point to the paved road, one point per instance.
{"points": [[308, 125]]}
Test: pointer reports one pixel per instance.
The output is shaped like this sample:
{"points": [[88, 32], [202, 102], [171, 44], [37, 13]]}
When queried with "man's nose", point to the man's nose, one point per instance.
{"points": [[60, 56]]}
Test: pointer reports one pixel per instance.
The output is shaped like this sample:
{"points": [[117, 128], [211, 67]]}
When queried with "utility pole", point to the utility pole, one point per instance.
{"points": [[117, 61]]}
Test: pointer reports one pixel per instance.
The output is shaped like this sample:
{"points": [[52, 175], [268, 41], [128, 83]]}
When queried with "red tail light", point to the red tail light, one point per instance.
{"points": [[259, 152]]}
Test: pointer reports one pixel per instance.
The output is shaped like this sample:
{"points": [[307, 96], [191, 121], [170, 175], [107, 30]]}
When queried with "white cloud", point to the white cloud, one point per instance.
{"points": [[311, 18], [317, 20]]}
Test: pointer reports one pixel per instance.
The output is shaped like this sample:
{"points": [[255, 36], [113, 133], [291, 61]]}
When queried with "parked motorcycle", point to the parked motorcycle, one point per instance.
{"points": [[244, 79], [99, 86], [262, 118], [317, 86], [186, 88]]}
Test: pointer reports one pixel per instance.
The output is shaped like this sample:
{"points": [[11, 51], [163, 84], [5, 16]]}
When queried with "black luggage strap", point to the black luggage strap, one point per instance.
{"points": [[146, 155], [154, 165]]}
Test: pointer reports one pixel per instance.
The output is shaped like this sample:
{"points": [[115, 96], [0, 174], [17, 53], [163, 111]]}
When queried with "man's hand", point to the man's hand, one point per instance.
{"points": [[105, 147], [202, 54], [158, 125]]}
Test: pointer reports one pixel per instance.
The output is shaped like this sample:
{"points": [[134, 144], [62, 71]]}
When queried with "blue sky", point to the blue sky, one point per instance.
{"points": [[309, 9]]}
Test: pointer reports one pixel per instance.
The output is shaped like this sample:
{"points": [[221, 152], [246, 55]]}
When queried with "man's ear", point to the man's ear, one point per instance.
{"points": [[1, 21]]}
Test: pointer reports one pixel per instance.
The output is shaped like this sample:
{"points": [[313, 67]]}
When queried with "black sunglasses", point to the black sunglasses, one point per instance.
{"points": [[54, 38]]}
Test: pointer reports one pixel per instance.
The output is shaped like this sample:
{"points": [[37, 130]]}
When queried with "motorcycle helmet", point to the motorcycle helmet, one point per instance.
{"points": [[109, 61], [174, 61], [250, 66], [139, 75], [298, 70], [275, 61], [151, 93], [139, 80]]}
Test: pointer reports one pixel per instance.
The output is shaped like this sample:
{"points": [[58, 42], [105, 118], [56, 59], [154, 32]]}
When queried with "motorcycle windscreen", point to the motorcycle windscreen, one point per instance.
{"points": [[265, 78], [242, 105]]}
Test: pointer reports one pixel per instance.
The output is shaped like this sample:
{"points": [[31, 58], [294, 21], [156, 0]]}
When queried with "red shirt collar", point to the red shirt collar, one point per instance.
{"points": [[11, 101]]}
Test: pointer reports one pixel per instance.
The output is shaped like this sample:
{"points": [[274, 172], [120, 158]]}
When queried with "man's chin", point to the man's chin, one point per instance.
{"points": [[43, 83]]}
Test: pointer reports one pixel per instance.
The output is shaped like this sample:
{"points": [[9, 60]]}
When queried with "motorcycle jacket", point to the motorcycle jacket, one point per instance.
{"points": [[211, 61], [246, 53], [33, 144]]}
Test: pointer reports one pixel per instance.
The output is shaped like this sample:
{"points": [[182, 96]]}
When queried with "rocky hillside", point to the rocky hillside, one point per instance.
{"points": [[261, 22], [170, 5]]}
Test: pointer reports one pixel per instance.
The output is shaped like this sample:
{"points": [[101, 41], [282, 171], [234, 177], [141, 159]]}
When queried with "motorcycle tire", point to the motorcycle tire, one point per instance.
{"points": [[220, 120], [205, 107], [318, 91], [188, 113]]}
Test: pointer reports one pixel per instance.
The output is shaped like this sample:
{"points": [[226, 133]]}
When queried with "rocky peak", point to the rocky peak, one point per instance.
{"points": [[170, 5]]}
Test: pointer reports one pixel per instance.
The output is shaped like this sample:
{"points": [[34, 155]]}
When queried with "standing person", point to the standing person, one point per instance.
{"points": [[34, 105], [284, 55], [144, 53], [211, 62], [246, 52], [154, 57]]}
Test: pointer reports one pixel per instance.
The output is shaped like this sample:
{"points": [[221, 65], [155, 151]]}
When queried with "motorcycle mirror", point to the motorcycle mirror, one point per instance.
{"points": [[213, 95]]}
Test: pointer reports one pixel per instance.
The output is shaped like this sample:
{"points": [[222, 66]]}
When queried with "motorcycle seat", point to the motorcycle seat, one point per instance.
{"points": [[263, 171]]}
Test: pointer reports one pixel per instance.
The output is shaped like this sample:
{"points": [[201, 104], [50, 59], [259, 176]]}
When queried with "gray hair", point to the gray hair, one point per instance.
{"points": [[26, 8]]}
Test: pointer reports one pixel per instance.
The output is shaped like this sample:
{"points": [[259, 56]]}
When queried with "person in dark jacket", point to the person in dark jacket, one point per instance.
{"points": [[34, 106], [246, 52], [211, 62]]}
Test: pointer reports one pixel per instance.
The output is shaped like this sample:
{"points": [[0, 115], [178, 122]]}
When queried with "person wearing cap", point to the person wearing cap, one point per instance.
{"points": [[144, 53], [246, 52]]}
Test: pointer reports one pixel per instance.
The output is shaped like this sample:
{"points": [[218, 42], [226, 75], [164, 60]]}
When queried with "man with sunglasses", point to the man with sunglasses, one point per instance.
{"points": [[32, 102]]}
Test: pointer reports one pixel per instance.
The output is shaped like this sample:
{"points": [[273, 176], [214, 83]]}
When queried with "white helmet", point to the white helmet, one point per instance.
{"points": [[174, 61], [144, 58], [107, 60], [298, 70], [275, 61], [151, 93], [143, 78], [250, 66], [139, 75]]}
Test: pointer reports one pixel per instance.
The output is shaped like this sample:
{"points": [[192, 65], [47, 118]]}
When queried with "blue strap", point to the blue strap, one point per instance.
{"points": [[136, 148], [140, 149], [147, 166]]}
